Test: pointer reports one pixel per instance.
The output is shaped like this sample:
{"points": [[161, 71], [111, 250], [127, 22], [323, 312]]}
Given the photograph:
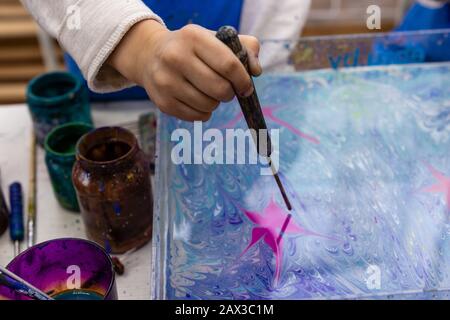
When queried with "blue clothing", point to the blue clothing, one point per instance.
{"points": [[417, 48], [211, 14], [422, 18], [419, 17]]}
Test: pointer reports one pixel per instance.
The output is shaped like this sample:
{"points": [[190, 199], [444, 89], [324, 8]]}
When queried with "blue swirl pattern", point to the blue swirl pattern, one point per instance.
{"points": [[361, 187]]}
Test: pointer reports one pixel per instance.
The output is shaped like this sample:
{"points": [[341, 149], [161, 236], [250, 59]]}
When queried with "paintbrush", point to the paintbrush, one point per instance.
{"points": [[31, 214], [19, 285], [16, 230], [251, 108]]}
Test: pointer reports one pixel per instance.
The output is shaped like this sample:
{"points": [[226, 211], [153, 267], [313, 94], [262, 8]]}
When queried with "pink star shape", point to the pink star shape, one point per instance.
{"points": [[442, 185], [268, 112], [270, 225]]}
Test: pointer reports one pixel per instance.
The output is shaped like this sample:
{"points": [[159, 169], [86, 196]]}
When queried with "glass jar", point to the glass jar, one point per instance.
{"points": [[57, 98], [59, 147], [112, 180]]}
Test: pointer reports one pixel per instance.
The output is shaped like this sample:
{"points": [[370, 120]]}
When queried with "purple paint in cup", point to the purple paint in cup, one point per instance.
{"points": [[65, 269]]}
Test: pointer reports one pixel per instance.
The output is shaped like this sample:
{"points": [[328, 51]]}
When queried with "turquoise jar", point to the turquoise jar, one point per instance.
{"points": [[57, 98], [60, 145]]}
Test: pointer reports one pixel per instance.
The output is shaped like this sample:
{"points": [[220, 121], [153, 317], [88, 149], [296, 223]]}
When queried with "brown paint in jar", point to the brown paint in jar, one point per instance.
{"points": [[112, 180]]}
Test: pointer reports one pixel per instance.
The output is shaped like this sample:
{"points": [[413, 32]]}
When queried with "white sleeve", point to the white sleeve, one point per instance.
{"points": [[274, 19], [89, 30]]}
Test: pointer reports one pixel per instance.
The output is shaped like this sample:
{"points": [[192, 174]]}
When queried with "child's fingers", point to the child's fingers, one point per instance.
{"points": [[252, 45], [179, 109], [194, 98], [185, 112], [255, 66], [222, 60], [207, 80]]}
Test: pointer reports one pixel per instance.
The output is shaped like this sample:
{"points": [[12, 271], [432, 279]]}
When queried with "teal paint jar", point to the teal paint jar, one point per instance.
{"points": [[57, 98], [60, 145]]}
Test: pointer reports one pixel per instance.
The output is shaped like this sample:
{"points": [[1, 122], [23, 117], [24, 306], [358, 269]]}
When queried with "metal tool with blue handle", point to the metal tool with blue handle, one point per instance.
{"points": [[20, 286], [16, 228]]}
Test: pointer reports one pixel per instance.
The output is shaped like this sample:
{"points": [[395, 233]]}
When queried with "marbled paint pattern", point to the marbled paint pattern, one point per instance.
{"points": [[368, 178]]}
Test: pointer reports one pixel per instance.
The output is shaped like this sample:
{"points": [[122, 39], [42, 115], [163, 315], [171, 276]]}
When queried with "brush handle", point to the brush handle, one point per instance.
{"points": [[251, 108], [4, 212], [31, 215], [16, 228]]}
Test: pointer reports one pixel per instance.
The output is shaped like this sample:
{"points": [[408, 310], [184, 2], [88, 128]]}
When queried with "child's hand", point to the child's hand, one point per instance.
{"points": [[186, 73]]}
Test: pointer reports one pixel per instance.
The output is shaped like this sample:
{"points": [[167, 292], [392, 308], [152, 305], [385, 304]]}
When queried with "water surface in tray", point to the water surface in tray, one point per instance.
{"points": [[364, 156]]}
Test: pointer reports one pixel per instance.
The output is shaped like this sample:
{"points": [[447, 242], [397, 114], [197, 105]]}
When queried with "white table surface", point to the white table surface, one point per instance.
{"points": [[52, 220]]}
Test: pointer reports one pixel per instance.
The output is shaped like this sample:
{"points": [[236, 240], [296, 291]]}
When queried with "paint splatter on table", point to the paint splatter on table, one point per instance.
{"points": [[364, 156]]}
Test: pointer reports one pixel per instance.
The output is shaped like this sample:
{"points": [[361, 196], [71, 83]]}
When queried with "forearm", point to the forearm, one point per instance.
{"points": [[186, 72], [130, 54], [102, 25]]}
